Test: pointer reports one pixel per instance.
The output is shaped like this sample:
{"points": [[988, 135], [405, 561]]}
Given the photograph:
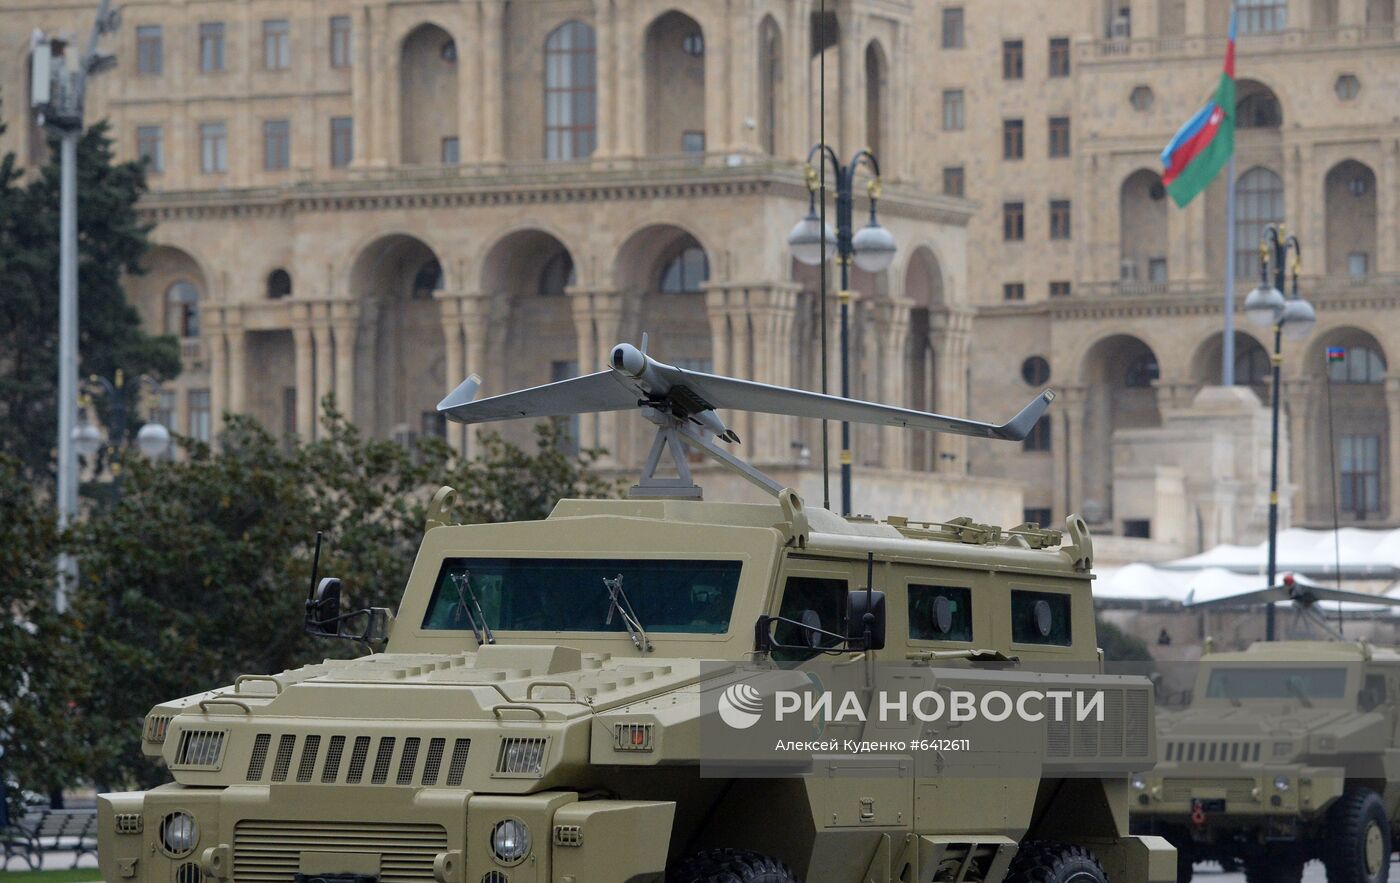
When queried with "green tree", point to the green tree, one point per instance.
{"points": [[112, 239], [1121, 646], [200, 572]]}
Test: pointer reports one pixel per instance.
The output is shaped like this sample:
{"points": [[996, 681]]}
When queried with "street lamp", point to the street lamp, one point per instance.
{"points": [[152, 440], [872, 249], [1293, 318]]}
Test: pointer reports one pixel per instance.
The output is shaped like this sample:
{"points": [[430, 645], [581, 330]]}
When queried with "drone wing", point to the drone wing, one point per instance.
{"points": [[1301, 594], [589, 394], [747, 395]]}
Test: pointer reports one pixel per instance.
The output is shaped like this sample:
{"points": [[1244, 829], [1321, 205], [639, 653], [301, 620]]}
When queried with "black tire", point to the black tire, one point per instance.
{"points": [[1043, 861], [1283, 866], [1357, 849], [729, 866], [1185, 865]]}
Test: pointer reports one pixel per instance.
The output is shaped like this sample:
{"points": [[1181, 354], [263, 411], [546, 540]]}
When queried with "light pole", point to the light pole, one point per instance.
{"points": [[1291, 317], [152, 440], [57, 97], [872, 248]]}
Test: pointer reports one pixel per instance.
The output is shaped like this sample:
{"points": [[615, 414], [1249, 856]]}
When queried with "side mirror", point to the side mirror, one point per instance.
{"points": [[858, 604], [324, 606]]}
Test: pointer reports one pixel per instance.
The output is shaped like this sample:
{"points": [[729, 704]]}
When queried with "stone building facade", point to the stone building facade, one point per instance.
{"points": [[373, 199]]}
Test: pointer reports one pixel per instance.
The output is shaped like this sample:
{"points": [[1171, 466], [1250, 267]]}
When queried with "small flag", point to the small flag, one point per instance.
{"points": [[1336, 354], [1202, 147]]}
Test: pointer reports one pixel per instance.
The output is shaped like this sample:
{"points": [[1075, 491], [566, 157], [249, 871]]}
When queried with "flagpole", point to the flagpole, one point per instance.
{"points": [[1227, 352]]}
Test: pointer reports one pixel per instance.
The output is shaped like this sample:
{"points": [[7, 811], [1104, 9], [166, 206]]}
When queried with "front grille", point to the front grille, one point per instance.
{"points": [[156, 727], [378, 760], [310, 749], [1236, 790], [270, 851], [332, 770], [259, 756], [200, 748], [460, 749], [1123, 732], [434, 763], [1211, 751]]}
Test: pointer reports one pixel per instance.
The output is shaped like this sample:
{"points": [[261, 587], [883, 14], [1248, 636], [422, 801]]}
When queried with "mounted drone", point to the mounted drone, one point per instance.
{"points": [[1304, 594], [683, 406]]}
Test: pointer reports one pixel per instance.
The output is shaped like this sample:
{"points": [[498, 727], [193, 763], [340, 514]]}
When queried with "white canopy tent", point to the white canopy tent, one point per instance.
{"points": [[1364, 555]]}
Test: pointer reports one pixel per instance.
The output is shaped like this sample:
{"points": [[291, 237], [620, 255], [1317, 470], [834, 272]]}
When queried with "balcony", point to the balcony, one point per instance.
{"points": [[1213, 46], [1328, 286]]}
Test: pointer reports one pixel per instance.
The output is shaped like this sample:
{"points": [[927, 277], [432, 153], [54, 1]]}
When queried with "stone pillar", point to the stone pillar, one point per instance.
{"points": [[606, 56], [469, 89], [454, 348], [598, 327], [325, 362], [1067, 439], [852, 92], [362, 105], [631, 70], [951, 332], [344, 325], [1391, 471], [492, 81], [237, 374], [741, 55], [795, 114], [1387, 206], [727, 309], [381, 141], [1300, 402], [214, 343], [892, 330], [305, 371], [477, 316]]}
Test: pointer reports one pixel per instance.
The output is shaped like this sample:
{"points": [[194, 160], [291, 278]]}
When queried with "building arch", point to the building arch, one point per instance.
{"points": [[877, 99], [924, 290], [570, 91], [1257, 106], [1253, 367], [1357, 425], [1120, 371], [278, 284], [400, 358], [170, 292], [1349, 194], [1142, 229], [428, 105], [675, 85], [770, 85], [1259, 203]]}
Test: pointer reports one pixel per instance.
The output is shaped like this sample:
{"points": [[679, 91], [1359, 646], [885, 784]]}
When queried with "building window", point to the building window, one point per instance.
{"points": [[953, 36], [1035, 371], [340, 41], [1157, 270], [1262, 16], [570, 92], [1258, 203], [1259, 110], [1060, 219], [1359, 364], [342, 141], [1038, 439], [182, 310], [1348, 87], [200, 418], [277, 145], [427, 280], [150, 147], [953, 117], [1059, 57], [1013, 291], [211, 47], [213, 148], [1141, 98], [1041, 618], [451, 150], [1137, 528], [279, 284], [1013, 59], [1061, 289], [1013, 139], [1059, 137], [1038, 517], [1013, 221], [277, 44], [1360, 474], [150, 51], [693, 142], [686, 272], [1358, 264], [693, 44], [954, 181]]}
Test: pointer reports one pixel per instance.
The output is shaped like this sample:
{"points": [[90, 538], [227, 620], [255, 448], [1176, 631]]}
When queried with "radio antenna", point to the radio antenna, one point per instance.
{"points": [[315, 568], [821, 138]]}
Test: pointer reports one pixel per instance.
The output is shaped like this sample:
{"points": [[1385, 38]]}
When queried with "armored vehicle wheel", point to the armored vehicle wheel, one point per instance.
{"points": [[1284, 866], [1185, 866], [1358, 839], [1042, 861], [729, 866]]}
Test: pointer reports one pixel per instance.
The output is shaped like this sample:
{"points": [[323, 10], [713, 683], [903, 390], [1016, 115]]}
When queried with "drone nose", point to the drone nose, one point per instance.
{"points": [[628, 359]]}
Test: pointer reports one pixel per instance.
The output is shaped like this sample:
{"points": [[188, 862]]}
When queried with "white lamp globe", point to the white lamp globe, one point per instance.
{"points": [[874, 248], [87, 440], [1298, 319], [805, 240], [1263, 306], [153, 440]]}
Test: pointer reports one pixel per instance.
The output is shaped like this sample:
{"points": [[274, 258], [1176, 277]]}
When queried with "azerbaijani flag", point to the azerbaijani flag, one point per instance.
{"points": [[1336, 354], [1202, 147]]}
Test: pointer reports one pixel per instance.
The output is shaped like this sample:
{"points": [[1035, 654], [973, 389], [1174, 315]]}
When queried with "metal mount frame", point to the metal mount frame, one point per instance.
{"points": [[673, 434]]}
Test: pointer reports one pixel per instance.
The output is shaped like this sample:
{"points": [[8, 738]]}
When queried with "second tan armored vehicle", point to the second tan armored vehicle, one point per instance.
{"points": [[539, 708], [1288, 751]]}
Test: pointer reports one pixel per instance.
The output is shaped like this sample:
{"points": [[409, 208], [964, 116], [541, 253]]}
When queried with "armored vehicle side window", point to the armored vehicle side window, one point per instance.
{"points": [[1372, 692], [940, 613], [813, 601], [1276, 682], [1040, 618], [568, 594]]}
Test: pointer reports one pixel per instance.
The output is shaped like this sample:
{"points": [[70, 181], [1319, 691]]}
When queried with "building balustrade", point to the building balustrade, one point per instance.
{"points": [[1212, 47]]}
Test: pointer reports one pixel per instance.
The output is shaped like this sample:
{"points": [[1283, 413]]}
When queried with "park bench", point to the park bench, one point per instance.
{"points": [[50, 830]]}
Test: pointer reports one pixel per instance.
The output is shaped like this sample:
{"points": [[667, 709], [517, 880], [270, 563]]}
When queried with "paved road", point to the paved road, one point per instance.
{"points": [[1313, 873]]}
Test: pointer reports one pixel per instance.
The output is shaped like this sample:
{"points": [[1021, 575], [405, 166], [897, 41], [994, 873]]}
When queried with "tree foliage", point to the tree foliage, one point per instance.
{"points": [[1121, 646], [112, 240], [199, 572]]}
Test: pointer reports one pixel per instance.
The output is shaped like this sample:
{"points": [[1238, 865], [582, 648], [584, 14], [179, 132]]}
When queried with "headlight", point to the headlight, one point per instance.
{"points": [[1139, 783], [179, 833], [1280, 783], [510, 841]]}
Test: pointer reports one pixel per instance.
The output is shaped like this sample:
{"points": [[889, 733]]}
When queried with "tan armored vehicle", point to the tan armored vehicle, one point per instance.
{"points": [[1287, 751], [541, 703]]}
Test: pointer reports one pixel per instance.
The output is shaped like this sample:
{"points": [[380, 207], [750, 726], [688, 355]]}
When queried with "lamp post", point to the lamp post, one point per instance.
{"points": [[1291, 317], [152, 439], [871, 248]]}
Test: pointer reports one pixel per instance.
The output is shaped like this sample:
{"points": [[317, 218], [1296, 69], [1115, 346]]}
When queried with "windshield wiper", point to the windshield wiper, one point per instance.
{"points": [[619, 604], [463, 581]]}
